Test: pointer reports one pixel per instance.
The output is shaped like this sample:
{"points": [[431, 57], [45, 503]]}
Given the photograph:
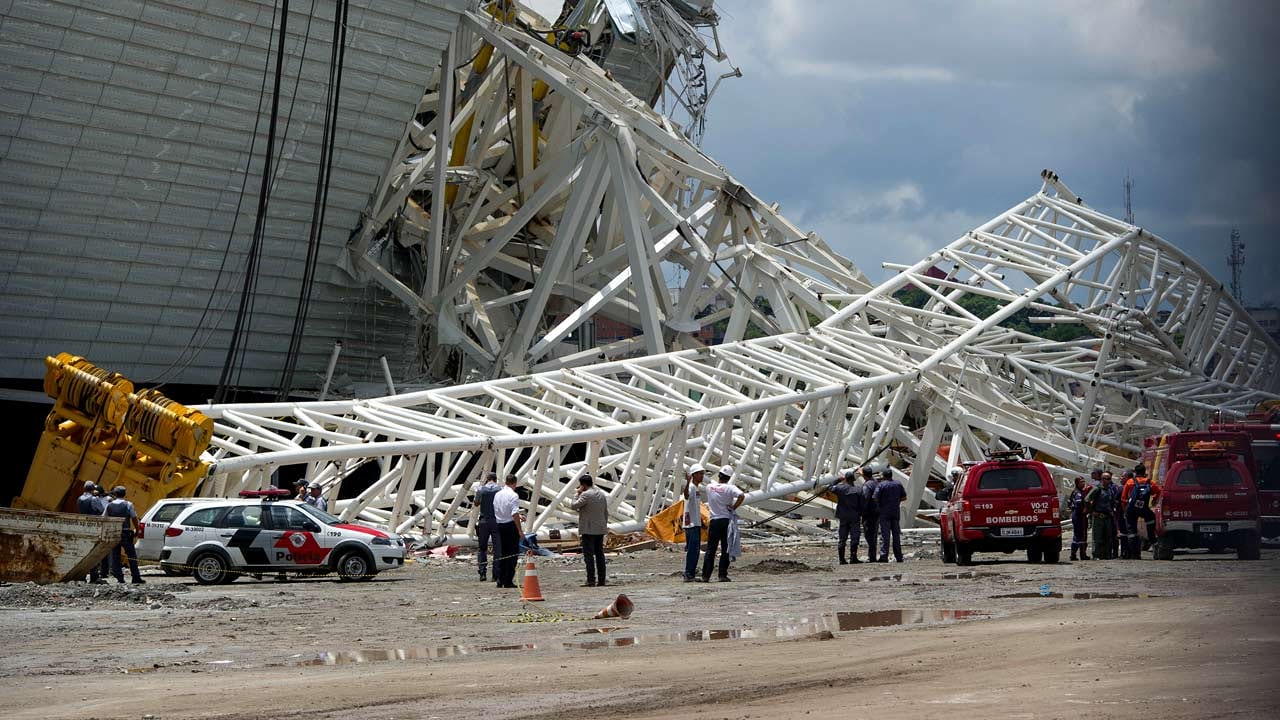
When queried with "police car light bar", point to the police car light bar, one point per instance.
{"points": [[270, 494]]}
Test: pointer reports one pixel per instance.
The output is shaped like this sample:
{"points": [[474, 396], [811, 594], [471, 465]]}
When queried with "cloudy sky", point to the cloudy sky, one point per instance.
{"points": [[891, 128]]}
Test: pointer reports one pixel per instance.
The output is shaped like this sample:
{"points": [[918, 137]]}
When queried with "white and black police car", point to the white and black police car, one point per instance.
{"points": [[266, 532]]}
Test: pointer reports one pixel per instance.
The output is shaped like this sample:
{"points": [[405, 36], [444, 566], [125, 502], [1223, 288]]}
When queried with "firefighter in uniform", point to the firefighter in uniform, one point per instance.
{"points": [[1099, 503], [1079, 528], [1138, 496]]}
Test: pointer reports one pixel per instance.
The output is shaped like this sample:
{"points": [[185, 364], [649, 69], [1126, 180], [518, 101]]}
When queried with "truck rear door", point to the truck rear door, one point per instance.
{"points": [[1011, 500], [1209, 495]]}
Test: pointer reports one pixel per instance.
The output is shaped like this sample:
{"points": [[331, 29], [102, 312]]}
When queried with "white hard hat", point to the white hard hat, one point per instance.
{"points": [[726, 472], [696, 468]]}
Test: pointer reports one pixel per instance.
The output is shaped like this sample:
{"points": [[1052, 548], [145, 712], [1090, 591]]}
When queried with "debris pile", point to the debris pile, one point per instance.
{"points": [[772, 566]]}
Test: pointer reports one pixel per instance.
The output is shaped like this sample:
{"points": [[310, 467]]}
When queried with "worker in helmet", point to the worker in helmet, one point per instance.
{"points": [[1137, 497], [123, 509]]}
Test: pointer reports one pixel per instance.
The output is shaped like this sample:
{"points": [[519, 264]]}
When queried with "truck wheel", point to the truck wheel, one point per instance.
{"points": [[353, 565], [1250, 548], [210, 568], [1162, 550], [1053, 553], [1035, 554], [948, 552], [964, 556]]}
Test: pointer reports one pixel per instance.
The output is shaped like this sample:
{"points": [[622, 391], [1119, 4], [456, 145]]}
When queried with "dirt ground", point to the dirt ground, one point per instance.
{"points": [[798, 636]]}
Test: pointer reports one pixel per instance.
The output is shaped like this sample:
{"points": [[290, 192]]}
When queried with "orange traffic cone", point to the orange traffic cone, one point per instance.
{"points": [[529, 589], [620, 607]]}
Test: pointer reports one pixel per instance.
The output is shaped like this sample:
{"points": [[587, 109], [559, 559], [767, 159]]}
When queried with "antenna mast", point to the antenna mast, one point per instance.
{"points": [[1236, 260], [1128, 199]]}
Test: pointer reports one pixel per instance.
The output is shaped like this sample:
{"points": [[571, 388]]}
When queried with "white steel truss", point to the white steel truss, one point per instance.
{"points": [[533, 201], [1156, 343]]}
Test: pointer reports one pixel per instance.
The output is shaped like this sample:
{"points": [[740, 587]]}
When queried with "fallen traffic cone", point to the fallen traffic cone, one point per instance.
{"points": [[620, 607], [529, 589]]}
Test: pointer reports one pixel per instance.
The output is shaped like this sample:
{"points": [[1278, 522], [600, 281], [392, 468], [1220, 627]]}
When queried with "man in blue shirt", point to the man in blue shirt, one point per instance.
{"points": [[90, 504], [889, 495], [487, 526], [849, 502], [123, 509], [1079, 520]]}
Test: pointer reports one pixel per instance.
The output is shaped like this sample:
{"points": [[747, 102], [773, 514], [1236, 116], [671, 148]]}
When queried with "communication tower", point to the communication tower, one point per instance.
{"points": [[1236, 260]]}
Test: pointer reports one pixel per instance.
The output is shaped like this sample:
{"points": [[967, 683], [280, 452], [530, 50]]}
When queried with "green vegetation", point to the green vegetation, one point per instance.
{"points": [[983, 306]]}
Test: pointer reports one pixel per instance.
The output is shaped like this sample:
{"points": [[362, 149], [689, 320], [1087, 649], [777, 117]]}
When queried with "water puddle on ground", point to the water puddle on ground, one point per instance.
{"points": [[1078, 595], [817, 629]]}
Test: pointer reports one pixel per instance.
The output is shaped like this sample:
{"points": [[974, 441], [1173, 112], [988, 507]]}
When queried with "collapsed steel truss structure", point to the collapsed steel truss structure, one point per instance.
{"points": [[557, 198]]}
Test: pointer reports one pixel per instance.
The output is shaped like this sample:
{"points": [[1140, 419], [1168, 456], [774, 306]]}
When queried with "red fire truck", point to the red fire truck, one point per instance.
{"points": [[1263, 428]]}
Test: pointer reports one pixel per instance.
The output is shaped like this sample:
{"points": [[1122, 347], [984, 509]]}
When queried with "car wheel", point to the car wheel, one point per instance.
{"points": [[210, 569], [964, 556], [948, 552], [1249, 548], [1162, 550], [354, 565], [1035, 554]]}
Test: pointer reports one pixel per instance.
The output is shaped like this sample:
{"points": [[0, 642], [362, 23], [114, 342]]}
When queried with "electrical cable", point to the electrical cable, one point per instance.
{"points": [[253, 261], [178, 364], [324, 173]]}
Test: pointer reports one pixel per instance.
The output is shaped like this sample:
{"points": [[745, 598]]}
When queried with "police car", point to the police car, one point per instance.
{"points": [[265, 532]]}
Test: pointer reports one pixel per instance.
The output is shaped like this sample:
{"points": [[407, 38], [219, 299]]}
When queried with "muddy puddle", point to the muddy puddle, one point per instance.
{"points": [[819, 628], [1077, 595]]}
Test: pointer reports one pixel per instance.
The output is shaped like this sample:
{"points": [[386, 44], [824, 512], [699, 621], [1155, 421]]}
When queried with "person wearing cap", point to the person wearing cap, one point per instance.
{"points": [[123, 509], [506, 511], [90, 504], [300, 489], [1079, 520], [315, 499], [849, 502], [889, 496], [593, 522], [722, 500], [870, 511], [487, 526], [692, 520]]}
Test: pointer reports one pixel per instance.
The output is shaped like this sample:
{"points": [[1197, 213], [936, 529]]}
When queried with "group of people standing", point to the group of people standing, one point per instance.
{"points": [[93, 501], [867, 507], [1110, 514], [722, 499], [499, 524]]}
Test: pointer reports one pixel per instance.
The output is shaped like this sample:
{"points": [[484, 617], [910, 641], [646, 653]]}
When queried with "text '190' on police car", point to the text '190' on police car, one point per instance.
{"points": [[264, 532]]}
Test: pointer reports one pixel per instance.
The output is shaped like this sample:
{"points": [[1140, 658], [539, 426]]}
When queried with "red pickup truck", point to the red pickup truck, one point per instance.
{"points": [[1005, 504]]}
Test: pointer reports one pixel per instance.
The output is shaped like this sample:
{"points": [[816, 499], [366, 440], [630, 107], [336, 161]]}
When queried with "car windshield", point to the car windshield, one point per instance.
{"points": [[1208, 477], [1268, 459], [1014, 478], [166, 513], [320, 515]]}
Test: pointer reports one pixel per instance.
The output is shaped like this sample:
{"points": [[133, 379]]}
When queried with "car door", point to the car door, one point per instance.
{"points": [[241, 532], [292, 538]]}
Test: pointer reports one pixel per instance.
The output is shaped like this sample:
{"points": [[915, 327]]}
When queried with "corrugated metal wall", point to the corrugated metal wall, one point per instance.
{"points": [[125, 134]]}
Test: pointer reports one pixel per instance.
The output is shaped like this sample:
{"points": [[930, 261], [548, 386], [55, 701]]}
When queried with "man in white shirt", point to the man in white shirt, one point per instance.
{"points": [[692, 520], [506, 511], [722, 500]]}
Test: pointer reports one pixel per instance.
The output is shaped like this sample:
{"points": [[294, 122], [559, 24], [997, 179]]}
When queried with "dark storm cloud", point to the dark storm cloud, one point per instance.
{"points": [[893, 128]]}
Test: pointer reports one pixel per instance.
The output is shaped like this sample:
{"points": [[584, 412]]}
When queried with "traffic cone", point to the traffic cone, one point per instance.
{"points": [[620, 607], [529, 589]]}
